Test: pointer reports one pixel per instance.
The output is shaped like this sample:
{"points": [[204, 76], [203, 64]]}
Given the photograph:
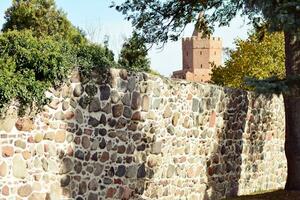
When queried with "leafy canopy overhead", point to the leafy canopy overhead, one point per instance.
{"points": [[42, 17], [255, 57], [161, 20]]}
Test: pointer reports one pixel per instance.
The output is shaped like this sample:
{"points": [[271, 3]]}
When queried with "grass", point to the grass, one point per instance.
{"points": [[276, 195]]}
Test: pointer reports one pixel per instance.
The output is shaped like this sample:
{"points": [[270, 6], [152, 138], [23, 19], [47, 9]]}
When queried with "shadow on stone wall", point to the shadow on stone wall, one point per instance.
{"points": [[108, 159], [224, 165]]}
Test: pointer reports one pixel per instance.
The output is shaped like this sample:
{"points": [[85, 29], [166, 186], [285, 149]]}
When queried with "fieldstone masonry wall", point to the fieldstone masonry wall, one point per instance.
{"points": [[120, 136]]}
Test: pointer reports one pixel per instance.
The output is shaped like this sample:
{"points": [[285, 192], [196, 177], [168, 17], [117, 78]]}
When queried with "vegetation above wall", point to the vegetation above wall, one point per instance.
{"points": [[258, 58], [38, 48]]}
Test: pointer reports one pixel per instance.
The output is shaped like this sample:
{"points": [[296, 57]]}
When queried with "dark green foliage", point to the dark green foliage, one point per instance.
{"points": [[133, 56], [28, 66], [94, 56], [158, 21], [42, 17]]}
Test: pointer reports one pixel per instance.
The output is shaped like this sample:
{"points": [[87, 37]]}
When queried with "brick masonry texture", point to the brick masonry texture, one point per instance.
{"points": [[137, 136]]}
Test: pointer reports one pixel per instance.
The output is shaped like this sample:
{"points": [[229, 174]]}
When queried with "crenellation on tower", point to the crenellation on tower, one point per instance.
{"points": [[197, 55]]}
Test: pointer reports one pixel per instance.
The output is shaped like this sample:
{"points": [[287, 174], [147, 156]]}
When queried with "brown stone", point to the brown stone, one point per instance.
{"points": [[49, 136], [175, 119], [136, 116], [38, 137], [212, 119], [69, 115], [60, 136], [24, 190], [20, 143], [111, 192], [136, 100], [7, 151], [54, 104], [117, 110], [26, 155], [5, 190], [104, 157], [3, 169], [85, 142], [145, 103], [167, 112], [24, 124], [93, 184]]}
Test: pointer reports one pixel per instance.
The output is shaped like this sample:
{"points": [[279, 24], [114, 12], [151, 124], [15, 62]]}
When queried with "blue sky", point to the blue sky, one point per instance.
{"points": [[98, 20]]}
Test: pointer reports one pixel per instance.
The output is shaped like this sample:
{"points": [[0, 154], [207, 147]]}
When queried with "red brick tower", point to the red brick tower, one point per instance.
{"points": [[197, 54]]}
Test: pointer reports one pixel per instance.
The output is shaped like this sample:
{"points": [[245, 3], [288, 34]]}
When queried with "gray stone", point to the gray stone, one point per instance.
{"points": [[19, 168], [107, 181], [170, 171], [79, 116], [117, 110], [65, 105], [156, 104], [82, 188], [66, 166], [95, 105], [78, 167], [107, 108], [98, 169], [103, 120], [104, 92], [121, 123], [121, 171], [20, 143], [141, 172], [156, 148], [136, 100], [79, 154], [93, 122], [126, 99], [131, 84], [65, 180], [122, 85], [114, 96], [84, 101], [93, 185], [78, 90], [91, 90], [131, 172], [195, 106], [127, 112], [102, 144], [93, 196], [59, 115], [44, 164], [122, 135]]}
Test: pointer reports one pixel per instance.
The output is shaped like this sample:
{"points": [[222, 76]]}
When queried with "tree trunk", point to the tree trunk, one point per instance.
{"points": [[292, 112]]}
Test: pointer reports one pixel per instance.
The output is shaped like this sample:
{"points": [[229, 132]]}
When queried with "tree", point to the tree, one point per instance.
{"points": [[42, 17], [258, 58], [134, 54], [158, 21], [29, 65]]}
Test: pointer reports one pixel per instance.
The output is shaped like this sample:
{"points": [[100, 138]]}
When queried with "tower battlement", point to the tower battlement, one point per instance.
{"points": [[197, 55]]}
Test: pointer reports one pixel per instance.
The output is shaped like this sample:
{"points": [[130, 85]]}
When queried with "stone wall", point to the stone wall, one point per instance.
{"points": [[120, 136]]}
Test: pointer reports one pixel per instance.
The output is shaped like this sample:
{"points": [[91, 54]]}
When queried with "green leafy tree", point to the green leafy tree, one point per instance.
{"points": [[42, 17], [255, 57], [29, 65], [134, 54], [161, 20]]}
